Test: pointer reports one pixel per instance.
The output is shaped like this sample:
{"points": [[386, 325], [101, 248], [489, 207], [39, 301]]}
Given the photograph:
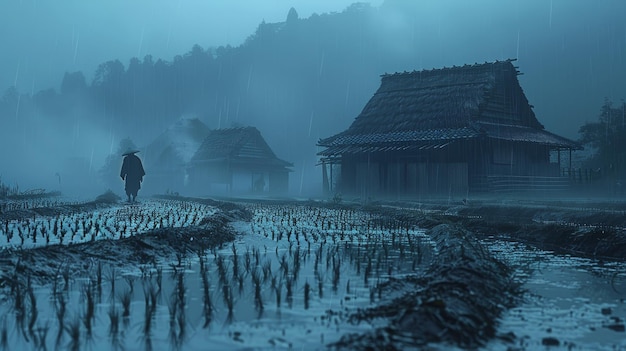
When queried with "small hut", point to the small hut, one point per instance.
{"points": [[445, 131], [238, 161]]}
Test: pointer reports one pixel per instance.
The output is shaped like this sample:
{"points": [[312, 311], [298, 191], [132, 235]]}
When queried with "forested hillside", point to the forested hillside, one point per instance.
{"points": [[296, 81]]}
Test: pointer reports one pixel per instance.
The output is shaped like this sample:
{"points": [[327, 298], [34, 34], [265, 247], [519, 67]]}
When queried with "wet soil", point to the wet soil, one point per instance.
{"points": [[151, 247], [585, 231], [456, 302]]}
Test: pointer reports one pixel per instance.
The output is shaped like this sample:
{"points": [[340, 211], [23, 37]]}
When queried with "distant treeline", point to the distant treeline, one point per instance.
{"points": [[309, 77]]}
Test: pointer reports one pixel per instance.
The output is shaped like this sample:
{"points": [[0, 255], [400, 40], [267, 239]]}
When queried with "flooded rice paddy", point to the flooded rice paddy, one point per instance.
{"points": [[570, 303], [107, 223], [288, 281]]}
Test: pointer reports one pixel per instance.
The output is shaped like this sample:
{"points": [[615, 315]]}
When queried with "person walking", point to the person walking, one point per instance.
{"points": [[132, 172]]}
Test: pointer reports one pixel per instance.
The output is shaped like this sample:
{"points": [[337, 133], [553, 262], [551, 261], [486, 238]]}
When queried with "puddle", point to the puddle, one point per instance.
{"points": [[575, 301]]}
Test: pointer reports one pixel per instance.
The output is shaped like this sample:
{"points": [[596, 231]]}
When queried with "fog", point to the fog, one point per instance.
{"points": [[43, 39], [307, 83]]}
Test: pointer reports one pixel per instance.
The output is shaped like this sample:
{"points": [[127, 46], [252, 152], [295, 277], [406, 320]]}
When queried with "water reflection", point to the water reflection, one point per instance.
{"points": [[288, 281], [577, 302]]}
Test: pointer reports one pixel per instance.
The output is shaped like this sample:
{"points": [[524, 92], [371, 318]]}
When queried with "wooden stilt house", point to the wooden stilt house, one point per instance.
{"points": [[444, 131]]}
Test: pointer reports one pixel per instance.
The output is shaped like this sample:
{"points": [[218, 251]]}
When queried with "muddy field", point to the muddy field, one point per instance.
{"points": [[184, 273]]}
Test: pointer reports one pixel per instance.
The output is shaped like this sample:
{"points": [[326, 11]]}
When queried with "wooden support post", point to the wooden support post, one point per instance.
{"points": [[324, 178], [330, 184], [570, 162]]}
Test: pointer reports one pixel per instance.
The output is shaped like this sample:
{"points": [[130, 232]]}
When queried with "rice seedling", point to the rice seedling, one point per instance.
{"points": [[320, 285], [276, 287], [125, 299], [99, 278], [289, 289], [221, 270], [60, 309], [114, 335], [267, 270], [159, 278], [247, 260], [173, 309], [18, 303], [150, 297], [284, 265], [89, 316], [33, 305], [4, 335], [307, 295], [296, 263], [130, 280], [66, 277], [150, 308], [240, 280], [179, 259], [258, 297], [336, 272], [111, 278], [329, 257], [257, 256], [179, 297], [39, 336], [20, 234], [73, 331], [206, 299], [145, 271], [235, 259], [114, 321], [318, 257], [228, 300]]}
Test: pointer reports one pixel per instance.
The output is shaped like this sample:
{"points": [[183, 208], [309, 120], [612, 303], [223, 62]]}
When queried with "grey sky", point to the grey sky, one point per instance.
{"points": [[41, 39]]}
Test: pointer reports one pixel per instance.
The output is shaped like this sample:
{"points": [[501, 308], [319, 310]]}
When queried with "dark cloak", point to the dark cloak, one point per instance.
{"points": [[132, 172]]}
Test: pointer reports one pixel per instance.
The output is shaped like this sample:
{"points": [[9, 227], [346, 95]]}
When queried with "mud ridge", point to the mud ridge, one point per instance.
{"points": [[593, 234], [457, 301], [44, 264]]}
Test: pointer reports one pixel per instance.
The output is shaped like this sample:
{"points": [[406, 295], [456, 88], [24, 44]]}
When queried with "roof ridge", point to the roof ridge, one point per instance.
{"points": [[431, 87], [232, 128], [444, 68]]}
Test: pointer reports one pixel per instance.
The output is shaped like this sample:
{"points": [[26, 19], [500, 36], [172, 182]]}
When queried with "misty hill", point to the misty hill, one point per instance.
{"points": [[297, 81], [307, 78]]}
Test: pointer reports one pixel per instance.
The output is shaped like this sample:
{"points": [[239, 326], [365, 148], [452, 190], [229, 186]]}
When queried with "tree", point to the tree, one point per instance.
{"points": [[607, 139], [109, 72], [73, 83], [292, 16]]}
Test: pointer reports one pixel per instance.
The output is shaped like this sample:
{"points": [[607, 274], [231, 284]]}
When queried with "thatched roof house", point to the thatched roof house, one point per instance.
{"points": [[238, 160], [442, 130]]}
